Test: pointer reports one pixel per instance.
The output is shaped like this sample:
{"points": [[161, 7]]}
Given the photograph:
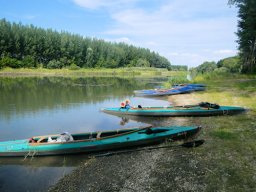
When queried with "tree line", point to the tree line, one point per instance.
{"points": [[32, 47], [227, 65]]}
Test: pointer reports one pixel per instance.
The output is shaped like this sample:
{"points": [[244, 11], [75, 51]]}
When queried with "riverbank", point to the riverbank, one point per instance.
{"points": [[226, 162], [156, 170], [118, 72]]}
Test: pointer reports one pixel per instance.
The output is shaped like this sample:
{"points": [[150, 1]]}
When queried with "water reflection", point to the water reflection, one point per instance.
{"points": [[45, 161], [50, 105], [20, 178], [158, 121], [37, 173]]}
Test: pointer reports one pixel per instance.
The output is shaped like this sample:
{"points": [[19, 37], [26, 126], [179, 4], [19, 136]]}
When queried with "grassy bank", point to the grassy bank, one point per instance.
{"points": [[119, 72], [229, 155]]}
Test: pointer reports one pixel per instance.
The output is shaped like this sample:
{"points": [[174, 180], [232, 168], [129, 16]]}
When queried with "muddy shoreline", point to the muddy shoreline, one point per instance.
{"points": [[155, 170]]}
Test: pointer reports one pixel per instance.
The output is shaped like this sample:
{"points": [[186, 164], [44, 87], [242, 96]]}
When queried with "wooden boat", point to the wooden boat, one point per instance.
{"points": [[95, 141], [187, 110]]}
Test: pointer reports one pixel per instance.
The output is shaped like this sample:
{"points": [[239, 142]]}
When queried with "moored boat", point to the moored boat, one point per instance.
{"points": [[162, 92], [94, 141], [191, 84], [175, 89], [193, 87], [187, 110]]}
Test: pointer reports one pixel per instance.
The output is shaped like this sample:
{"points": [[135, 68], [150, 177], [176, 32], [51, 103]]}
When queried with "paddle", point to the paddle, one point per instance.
{"points": [[189, 144]]}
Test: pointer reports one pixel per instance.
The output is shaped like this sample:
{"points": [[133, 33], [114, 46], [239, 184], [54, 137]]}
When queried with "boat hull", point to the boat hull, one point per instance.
{"points": [[175, 112], [155, 93], [135, 138]]}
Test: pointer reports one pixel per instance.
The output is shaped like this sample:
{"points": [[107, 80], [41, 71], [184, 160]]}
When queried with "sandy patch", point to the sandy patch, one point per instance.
{"points": [[184, 99]]}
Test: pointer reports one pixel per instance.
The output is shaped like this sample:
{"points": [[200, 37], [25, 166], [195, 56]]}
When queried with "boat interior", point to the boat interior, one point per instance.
{"points": [[84, 136]]}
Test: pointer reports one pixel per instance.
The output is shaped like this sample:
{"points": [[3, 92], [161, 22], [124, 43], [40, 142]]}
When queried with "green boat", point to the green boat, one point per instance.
{"points": [[175, 111], [94, 141]]}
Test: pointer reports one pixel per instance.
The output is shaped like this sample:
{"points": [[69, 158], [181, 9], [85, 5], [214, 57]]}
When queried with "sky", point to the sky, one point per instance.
{"points": [[186, 32]]}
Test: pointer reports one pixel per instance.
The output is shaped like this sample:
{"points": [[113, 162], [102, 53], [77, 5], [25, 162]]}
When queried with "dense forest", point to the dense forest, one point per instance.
{"points": [[33, 47]]}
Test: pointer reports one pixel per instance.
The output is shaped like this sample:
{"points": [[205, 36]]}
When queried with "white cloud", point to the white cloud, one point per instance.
{"points": [[121, 40], [174, 54], [96, 4], [226, 52], [184, 32], [186, 58], [29, 17]]}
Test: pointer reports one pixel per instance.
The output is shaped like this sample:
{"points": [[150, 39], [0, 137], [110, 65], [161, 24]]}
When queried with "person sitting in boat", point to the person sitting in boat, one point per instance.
{"points": [[127, 104], [32, 140], [122, 105]]}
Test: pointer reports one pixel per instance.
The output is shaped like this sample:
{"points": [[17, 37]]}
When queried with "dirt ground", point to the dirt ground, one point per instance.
{"points": [[155, 170], [167, 169], [184, 99]]}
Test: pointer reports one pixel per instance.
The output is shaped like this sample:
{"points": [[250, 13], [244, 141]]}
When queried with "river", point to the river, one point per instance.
{"points": [[31, 106]]}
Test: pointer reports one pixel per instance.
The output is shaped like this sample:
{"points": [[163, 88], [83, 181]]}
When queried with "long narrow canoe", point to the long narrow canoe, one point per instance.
{"points": [[157, 92], [194, 87], [189, 110], [175, 89], [95, 141], [162, 92], [191, 84]]}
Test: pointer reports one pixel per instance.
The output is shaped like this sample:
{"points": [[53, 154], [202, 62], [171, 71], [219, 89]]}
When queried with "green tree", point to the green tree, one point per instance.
{"points": [[231, 64], [7, 61], [142, 63], [89, 58], [54, 64], [206, 67], [247, 33]]}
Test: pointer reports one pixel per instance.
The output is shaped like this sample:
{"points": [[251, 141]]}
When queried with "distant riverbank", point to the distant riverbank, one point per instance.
{"points": [[119, 72]]}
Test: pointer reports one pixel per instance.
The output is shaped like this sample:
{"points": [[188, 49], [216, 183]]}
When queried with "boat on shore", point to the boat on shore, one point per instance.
{"points": [[203, 109], [193, 87], [174, 90], [95, 141], [162, 92]]}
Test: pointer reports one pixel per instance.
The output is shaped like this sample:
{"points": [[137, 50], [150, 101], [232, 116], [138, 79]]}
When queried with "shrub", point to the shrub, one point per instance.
{"points": [[73, 66], [53, 64]]}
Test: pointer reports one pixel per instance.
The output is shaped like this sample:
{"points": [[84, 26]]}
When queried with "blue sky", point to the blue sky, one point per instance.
{"points": [[187, 32]]}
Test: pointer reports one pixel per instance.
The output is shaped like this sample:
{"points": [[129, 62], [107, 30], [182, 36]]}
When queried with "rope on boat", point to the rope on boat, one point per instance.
{"points": [[225, 112], [29, 154], [32, 157], [25, 157]]}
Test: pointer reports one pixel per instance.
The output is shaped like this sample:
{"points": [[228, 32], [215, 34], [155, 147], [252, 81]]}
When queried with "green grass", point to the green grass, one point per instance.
{"points": [[223, 134], [122, 72], [229, 154]]}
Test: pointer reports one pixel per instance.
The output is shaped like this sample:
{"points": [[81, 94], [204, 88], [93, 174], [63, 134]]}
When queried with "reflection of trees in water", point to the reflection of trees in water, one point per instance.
{"points": [[37, 93]]}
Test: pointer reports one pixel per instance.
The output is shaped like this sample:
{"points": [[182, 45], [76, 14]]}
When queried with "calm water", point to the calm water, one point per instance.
{"points": [[50, 105]]}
